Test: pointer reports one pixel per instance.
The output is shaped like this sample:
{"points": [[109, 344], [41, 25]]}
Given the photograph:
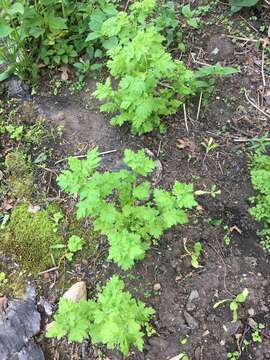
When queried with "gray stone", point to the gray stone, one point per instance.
{"points": [[193, 296], [231, 328], [18, 325], [220, 48], [17, 88], [192, 323]]}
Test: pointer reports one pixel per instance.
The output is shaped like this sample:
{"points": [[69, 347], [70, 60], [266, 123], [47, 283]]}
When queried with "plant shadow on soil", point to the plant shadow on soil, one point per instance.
{"points": [[226, 270]]}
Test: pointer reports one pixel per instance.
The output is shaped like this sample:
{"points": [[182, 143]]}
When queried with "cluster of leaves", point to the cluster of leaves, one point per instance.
{"points": [[150, 84], [115, 318], [49, 32], [237, 5], [123, 206], [260, 178], [194, 254]]}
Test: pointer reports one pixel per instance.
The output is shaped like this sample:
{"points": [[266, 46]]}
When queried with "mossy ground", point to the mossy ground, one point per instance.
{"points": [[29, 237], [19, 173]]}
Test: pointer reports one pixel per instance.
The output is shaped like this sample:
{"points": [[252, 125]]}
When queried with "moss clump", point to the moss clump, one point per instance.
{"points": [[29, 237], [20, 175]]}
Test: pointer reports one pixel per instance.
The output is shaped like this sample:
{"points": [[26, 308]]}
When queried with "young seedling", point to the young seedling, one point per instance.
{"points": [[57, 217], [209, 145], [233, 355], [213, 192], [3, 278], [256, 333], [189, 14], [75, 243], [194, 254], [234, 303]]}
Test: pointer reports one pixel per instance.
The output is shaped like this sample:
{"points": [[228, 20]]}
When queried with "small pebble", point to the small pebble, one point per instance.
{"points": [[251, 312], [157, 287]]}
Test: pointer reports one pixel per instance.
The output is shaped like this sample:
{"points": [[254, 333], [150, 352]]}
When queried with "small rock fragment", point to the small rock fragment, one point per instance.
{"points": [[192, 323], [76, 292], [232, 327], [157, 287], [252, 323], [193, 296], [251, 312]]}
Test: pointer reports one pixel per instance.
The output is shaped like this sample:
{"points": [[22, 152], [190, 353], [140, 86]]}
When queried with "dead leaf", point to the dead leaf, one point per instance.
{"points": [[7, 204], [188, 144], [3, 304], [65, 72]]}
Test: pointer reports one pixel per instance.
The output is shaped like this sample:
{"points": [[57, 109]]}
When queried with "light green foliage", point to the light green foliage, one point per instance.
{"points": [[237, 5], [19, 178], [234, 303], [194, 254], [150, 84], [233, 355], [15, 132], [256, 333], [28, 237], [149, 81], [3, 278], [123, 206], [75, 244], [260, 178], [114, 319]]}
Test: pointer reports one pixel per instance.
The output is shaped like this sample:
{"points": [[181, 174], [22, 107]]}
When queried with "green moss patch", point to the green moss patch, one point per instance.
{"points": [[29, 237], [19, 175]]}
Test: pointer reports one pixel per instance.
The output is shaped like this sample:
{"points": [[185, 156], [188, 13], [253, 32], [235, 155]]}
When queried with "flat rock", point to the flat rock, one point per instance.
{"points": [[18, 324], [76, 292], [17, 88], [192, 323], [220, 48], [194, 295], [231, 328]]}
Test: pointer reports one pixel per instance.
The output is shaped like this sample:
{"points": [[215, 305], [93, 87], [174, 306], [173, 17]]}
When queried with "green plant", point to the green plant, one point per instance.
{"points": [[75, 244], [149, 83], [123, 206], [114, 319], [259, 144], [15, 132], [52, 32], [209, 145], [194, 254], [260, 179], [237, 5], [234, 303], [167, 23], [256, 333], [233, 355], [190, 15], [3, 278], [56, 218]]}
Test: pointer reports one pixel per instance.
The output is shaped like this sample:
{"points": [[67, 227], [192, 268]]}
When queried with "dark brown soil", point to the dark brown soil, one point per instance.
{"points": [[226, 270]]}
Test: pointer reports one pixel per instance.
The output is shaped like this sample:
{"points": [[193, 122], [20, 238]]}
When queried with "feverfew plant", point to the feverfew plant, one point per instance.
{"points": [[123, 205], [150, 82], [115, 319]]}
